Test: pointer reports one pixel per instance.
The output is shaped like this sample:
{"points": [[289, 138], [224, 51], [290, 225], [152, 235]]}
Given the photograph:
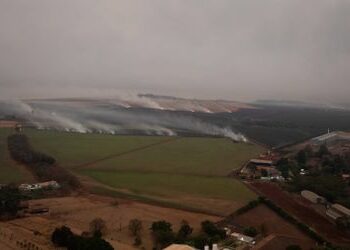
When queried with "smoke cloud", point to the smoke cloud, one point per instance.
{"points": [[105, 117]]}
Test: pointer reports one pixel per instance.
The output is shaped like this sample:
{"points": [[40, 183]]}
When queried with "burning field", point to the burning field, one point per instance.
{"points": [[140, 115]]}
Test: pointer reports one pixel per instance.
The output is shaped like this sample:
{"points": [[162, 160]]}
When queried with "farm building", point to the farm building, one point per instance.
{"points": [[341, 209], [336, 211], [332, 214], [37, 186], [261, 162], [314, 198]]}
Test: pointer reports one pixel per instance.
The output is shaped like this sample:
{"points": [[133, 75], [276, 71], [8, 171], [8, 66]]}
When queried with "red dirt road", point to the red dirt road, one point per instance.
{"points": [[303, 212]]}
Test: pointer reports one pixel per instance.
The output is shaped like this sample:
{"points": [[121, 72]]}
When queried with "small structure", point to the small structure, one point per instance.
{"points": [[243, 238], [313, 197], [18, 127]]}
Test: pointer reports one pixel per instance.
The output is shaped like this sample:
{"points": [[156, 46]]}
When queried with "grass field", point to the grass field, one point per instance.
{"points": [[196, 156], [172, 185], [10, 172], [190, 171], [199, 156], [72, 149]]}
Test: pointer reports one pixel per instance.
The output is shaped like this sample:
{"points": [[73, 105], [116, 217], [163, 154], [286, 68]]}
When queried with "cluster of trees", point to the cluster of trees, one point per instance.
{"points": [[323, 178], [42, 165], [163, 234], [64, 237], [10, 200]]}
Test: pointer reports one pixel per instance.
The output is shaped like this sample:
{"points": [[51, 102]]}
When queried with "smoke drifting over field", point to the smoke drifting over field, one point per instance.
{"points": [[112, 117]]}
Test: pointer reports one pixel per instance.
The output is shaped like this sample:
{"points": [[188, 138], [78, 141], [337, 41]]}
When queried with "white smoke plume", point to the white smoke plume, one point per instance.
{"points": [[89, 117]]}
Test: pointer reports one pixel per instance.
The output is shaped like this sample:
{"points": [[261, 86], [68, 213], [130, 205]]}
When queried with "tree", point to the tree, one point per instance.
{"points": [[323, 150], [62, 236], [184, 232], [135, 227], [301, 157], [212, 230], [161, 226], [10, 199], [293, 247], [98, 227], [250, 231], [162, 233]]}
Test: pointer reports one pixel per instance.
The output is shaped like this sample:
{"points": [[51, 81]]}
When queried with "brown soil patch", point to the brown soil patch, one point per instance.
{"points": [[262, 216], [77, 212]]}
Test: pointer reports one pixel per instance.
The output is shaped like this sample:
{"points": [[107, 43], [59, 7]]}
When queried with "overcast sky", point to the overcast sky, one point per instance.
{"points": [[234, 49]]}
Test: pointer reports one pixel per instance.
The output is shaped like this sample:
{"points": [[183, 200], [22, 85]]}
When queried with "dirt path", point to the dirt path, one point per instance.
{"points": [[86, 164]]}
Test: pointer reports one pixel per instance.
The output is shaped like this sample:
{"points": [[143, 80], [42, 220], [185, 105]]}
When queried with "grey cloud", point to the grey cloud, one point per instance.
{"points": [[243, 50]]}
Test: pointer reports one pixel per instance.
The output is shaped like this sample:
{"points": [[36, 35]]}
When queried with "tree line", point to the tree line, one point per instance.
{"points": [[43, 166]]}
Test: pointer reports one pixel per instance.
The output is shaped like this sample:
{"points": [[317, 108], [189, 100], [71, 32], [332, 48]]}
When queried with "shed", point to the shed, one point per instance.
{"points": [[341, 209], [313, 197]]}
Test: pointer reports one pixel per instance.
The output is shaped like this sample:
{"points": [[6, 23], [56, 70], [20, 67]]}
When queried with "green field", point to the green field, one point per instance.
{"points": [[165, 185], [10, 172], [195, 156], [186, 155], [185, 171]]}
